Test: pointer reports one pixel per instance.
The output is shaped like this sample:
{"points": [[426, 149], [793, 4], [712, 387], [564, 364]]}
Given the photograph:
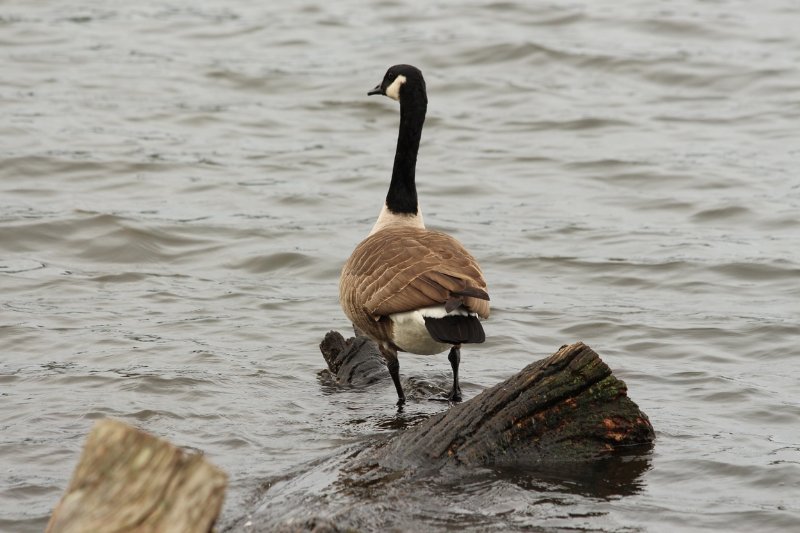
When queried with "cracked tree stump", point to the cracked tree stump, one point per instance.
{"points": [[356, 361], [128, 480]]}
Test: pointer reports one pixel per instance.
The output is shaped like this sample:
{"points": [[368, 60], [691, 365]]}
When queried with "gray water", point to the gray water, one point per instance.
{"points": [[180, 183]]}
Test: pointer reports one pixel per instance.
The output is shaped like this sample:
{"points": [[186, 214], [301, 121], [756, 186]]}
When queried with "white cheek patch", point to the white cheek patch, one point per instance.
{"points": [[393, 90]]}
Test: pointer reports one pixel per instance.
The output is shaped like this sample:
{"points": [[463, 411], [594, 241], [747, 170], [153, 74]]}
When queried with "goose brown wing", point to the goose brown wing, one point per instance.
{"points": [[402, 269]]}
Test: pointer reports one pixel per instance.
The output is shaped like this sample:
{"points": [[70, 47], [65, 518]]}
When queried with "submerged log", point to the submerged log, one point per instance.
{"points": [[567, 407], [127, 480], [554, 414], [563, 418]]}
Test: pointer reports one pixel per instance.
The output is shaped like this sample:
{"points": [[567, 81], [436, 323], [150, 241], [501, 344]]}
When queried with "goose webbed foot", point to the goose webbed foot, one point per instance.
{"points": [[454, 395]]}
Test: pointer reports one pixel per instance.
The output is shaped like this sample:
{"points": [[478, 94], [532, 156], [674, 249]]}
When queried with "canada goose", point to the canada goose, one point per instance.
{"points": [[409, 288]]}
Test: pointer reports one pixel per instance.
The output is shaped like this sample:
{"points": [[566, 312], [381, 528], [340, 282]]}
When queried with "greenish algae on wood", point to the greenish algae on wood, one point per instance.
{"points": [[564, 416], [567, 407]]}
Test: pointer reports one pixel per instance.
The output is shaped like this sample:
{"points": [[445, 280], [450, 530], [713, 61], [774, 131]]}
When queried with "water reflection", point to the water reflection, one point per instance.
{"points": [[618, 475], [352, 494], [400, 421]]}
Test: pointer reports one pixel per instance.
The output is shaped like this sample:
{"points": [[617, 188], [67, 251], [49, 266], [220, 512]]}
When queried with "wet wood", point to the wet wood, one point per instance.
{"points": [[130, 481], [566, 407], [562, 410], [551, 419], [356, 361]]}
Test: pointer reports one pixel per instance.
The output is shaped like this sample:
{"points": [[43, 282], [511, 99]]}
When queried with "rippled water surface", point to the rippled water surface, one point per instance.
{"points": [[180, 183]]}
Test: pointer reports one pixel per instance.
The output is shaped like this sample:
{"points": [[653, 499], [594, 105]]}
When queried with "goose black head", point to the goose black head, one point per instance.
{"points": [[401, 81]]}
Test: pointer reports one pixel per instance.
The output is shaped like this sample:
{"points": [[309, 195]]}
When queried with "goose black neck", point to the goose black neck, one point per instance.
{"points": [[402, 196]]}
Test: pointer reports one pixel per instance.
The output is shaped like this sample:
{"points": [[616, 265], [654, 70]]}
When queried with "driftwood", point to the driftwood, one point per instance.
{"points": [[562, 417], [565, 417], [130, 481], [567, 407], [356, 361]]}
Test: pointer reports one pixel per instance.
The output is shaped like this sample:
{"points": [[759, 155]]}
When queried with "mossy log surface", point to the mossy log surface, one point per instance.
{"points": [[563, 410], [130, 481], [566, 407], [565, 417]]}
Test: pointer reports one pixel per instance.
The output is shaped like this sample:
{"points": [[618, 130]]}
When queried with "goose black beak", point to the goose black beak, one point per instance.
{"points": [[376, 90]]}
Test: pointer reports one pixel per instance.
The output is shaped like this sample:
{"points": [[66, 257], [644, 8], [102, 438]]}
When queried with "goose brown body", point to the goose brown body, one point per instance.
{"points": [[401, 269]]}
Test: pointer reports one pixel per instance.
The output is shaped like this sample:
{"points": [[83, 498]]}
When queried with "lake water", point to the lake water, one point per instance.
{"points": [[180, 183]]}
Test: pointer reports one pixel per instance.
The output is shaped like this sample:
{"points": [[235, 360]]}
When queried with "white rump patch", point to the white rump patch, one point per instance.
{"points": [[410, 334], [438, 311], [393, 90]]}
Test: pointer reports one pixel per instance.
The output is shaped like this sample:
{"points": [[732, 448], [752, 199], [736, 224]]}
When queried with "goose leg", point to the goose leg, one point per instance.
{"points": [[455, 358], [390, 354]]}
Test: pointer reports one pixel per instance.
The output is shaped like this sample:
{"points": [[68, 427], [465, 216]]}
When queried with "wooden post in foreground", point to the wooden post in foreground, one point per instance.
{"points": [[128, 480]]}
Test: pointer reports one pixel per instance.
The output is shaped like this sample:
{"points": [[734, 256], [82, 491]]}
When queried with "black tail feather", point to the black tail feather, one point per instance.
{"points": [[456, 298], [475, 292], [456, 329]]}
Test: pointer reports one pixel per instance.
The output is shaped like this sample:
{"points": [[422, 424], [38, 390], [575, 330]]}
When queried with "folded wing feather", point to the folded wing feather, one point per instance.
{"points": [[401, 269]]}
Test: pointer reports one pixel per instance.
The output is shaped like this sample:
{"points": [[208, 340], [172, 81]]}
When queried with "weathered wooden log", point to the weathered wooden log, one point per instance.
{"points": [[563, 417], [130, 481], [567, 407], [356, 361]]}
